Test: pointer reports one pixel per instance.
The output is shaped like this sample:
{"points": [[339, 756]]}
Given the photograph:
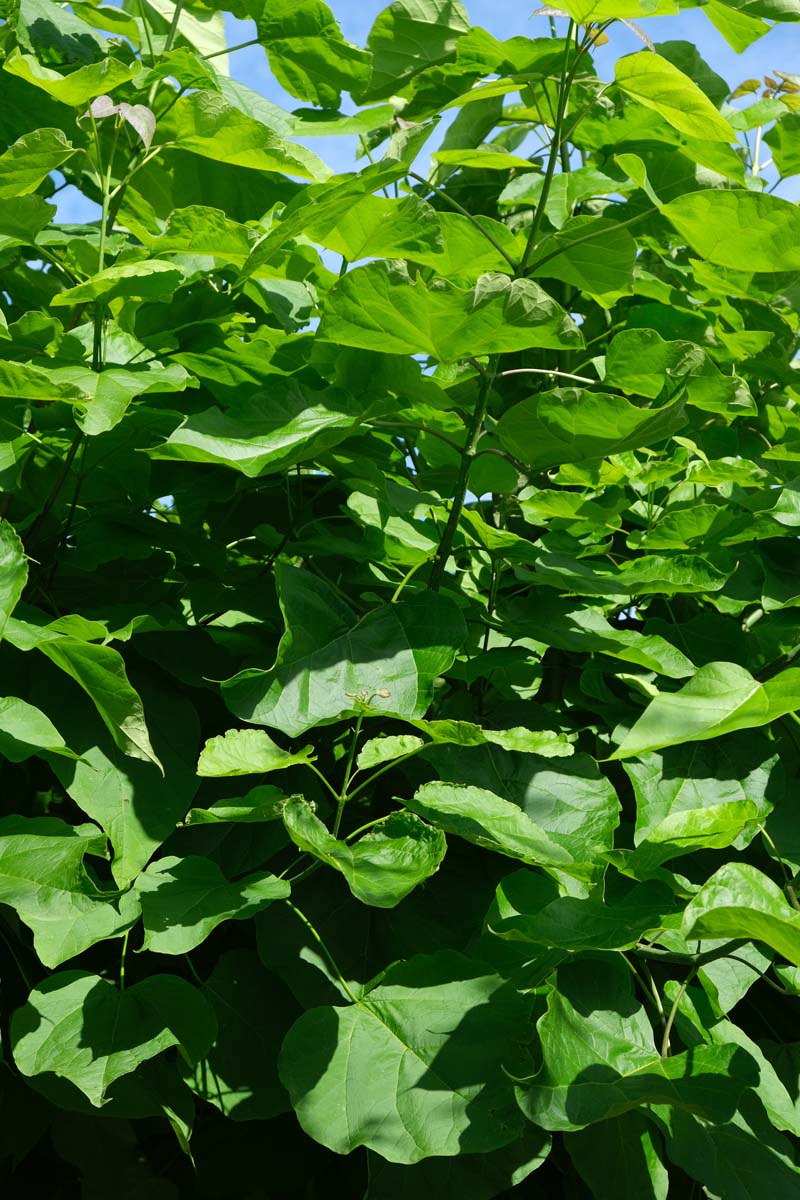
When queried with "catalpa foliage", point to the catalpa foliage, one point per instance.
{"points": [[399, 594]]}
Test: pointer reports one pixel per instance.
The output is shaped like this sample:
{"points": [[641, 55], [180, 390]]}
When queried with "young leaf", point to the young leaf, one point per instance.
{"points": [[247, 752], [658, 84], [384, 865]]}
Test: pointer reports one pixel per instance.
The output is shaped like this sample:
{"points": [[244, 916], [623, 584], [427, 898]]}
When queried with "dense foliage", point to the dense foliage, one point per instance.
{"points": [[398, 596]]}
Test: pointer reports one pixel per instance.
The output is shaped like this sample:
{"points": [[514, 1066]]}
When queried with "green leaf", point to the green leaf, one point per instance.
{"points": [[43, 878], [247, 752], [700, 796], [25, 730], [601, 264], [263, 803], [561, 624], [206, 124], [408, 37], [600, 1058], [622, 1156], [440, 1027], [739, 901], [376, 227], [378, 307], [184, 900], [385, 663], [384, 865], [136, 805], [308, 54], [487, 820], [100, 671], [737, 1159], [77, 88], [721, 698], [30, 160], [526, 741], [148, 279], [269, 432], [734, 227], [239, 1075], [572, 424], [386, 749], [81, 1028], [658, 84], [13, 572], [574, 924]]}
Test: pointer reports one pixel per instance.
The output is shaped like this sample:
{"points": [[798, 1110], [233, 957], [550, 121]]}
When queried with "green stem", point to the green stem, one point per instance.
{"points": [[670, 1021], [231, 49], [408, 575], [348, 771], [547, 371], [467, 455], [323, 780], [122, 960], [302, 917], [382, 771], [173, 29], [555, 145]]}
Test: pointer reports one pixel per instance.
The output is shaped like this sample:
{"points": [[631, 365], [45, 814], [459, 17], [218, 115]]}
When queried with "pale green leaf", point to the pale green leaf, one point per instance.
{"points": [[247, 752], [384, 865]]}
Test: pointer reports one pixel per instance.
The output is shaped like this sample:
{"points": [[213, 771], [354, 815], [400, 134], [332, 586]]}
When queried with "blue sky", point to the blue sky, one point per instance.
{"points": [[779, 49]]}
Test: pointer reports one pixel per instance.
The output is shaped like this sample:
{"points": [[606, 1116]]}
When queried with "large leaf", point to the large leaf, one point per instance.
{"points": [[739, 901], [489, 821], [206, 124], [571, 425], [30, 160], [735, 227], [387, 661], [409, 36], [308, 54], [275, 429], [43, 878], [81, 1028], [620, 1156], [25, 730], [600, 1058], [378, 307], [658, 84], [135, 804], [701, 796], [184, 899], [384, 865], [13, 572], [570, 801], [100, 671], [439, 1027], [721, 698]]}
